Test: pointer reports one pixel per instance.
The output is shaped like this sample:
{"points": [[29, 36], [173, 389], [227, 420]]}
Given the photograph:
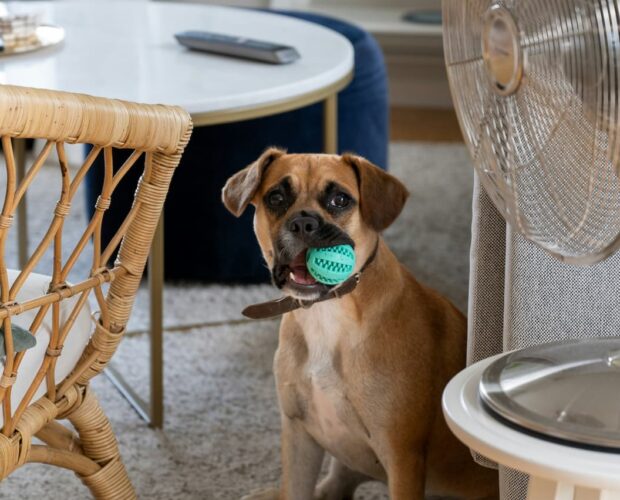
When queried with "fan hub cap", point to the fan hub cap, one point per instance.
{"points": [[501, 50]]}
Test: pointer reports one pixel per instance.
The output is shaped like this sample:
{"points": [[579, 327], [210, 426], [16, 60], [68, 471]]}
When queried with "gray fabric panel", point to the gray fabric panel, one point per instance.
{"points": [[486, 278], [486, 285], [512, 484], [550, 300]]}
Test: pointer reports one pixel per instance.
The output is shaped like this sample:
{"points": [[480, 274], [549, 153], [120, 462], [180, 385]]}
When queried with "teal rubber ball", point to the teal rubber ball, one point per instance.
{"points": [[331, 265]]}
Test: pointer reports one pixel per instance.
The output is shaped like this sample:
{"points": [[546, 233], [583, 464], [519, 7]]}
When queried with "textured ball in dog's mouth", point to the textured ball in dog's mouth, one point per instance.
{"points": [[299, 271]]}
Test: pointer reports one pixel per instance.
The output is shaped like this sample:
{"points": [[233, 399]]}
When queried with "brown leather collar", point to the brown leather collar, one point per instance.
{"points": [[286, 304]]}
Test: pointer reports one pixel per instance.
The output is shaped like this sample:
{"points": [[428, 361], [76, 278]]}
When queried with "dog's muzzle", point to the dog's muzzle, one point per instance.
{"points": [[302, 231]]}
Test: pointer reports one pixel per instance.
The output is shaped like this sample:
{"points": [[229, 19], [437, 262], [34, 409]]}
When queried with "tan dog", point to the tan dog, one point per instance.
{"points": [[359, 376]]}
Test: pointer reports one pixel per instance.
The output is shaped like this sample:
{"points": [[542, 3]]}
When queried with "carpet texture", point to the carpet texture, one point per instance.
{"points": [[221, 434]]}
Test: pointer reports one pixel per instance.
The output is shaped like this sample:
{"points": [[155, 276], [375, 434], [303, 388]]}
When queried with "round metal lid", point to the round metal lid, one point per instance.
{"points": [[564, 390]]}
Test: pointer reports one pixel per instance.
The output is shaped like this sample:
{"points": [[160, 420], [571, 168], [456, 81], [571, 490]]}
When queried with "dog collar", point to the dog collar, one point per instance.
{"points": [[277, 307]]}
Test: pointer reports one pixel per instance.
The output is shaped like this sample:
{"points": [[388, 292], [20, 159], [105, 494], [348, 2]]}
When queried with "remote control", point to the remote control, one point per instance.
{"points": [[234, 46]]}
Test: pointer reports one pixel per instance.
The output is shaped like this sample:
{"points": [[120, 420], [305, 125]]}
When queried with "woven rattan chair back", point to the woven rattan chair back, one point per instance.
{"points": [[157, 136]]}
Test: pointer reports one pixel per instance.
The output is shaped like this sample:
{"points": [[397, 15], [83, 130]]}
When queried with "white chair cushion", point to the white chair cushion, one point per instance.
{"points": [[37, 285]]}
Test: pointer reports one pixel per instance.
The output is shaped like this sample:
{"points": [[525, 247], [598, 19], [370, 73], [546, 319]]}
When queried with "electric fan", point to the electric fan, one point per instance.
{"points": [[534, 84], [535, 87]]}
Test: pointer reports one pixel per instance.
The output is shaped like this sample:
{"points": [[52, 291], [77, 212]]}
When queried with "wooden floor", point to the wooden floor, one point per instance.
{"points": [[429, 125]]}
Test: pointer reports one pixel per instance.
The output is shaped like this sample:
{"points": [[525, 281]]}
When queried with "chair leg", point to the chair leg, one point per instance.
{"points": [[99, 444]]}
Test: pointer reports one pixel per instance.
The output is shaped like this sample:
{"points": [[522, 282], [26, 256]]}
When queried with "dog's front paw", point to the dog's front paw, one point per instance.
{"points": [[265, 494]]}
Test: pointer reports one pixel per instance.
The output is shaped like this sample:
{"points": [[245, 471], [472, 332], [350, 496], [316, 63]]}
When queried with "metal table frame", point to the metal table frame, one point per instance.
{"points": [[153, 410]]}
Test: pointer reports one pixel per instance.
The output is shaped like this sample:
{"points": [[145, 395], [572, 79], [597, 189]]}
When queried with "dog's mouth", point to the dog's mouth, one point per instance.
{"points": [[295, 278], [299, 273]]}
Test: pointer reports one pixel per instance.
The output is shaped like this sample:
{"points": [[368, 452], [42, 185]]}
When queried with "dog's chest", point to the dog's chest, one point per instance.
{"points": [[325, 395], [322, 386]]}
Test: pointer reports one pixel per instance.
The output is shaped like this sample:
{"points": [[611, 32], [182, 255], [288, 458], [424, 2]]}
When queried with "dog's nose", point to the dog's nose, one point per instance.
{"points": [[303, 225]]}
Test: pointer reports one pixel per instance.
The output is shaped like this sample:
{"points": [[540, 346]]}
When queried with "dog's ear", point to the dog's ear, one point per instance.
{"points": [[382, 196], [241, 187]]}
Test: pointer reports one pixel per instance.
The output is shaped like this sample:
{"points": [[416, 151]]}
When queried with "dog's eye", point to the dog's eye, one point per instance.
{"points": [[340, 200], [275, 199]]}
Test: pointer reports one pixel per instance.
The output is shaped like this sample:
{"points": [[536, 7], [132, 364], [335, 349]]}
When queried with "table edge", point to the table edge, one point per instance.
{"points": [[271, 108]]}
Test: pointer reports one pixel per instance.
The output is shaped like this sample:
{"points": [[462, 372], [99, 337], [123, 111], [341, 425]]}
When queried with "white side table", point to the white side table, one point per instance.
{"points": [[557, 471]]}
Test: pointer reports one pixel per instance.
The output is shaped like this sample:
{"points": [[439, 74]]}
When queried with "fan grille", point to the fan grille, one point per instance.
{"points": [[547, 152]]}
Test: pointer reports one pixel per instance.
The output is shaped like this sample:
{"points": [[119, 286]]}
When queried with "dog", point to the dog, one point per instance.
{"points": [[359, 372]]}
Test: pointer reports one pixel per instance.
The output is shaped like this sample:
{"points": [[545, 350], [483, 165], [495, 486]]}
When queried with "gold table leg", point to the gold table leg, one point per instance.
{"points": [[330, 124], [19, 152], [153, 411], [156, 288]]}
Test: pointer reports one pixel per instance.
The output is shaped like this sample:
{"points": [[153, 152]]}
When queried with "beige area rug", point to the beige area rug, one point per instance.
{"points": [[221, 435]]}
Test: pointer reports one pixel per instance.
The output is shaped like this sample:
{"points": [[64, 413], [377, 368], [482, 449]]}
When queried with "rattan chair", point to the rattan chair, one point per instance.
{"points": [[159, 135]]}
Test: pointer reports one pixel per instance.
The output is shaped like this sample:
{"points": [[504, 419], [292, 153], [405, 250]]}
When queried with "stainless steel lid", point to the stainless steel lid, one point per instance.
{"points": [[564, 390]]}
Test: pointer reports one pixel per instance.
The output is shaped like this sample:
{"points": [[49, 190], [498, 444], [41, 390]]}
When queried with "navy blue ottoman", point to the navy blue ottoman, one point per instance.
{"points": [[225, 249]]}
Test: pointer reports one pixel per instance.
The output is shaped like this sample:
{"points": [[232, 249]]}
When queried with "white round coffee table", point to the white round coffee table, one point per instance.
{"points": [[557, 471], [126, 50]]}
